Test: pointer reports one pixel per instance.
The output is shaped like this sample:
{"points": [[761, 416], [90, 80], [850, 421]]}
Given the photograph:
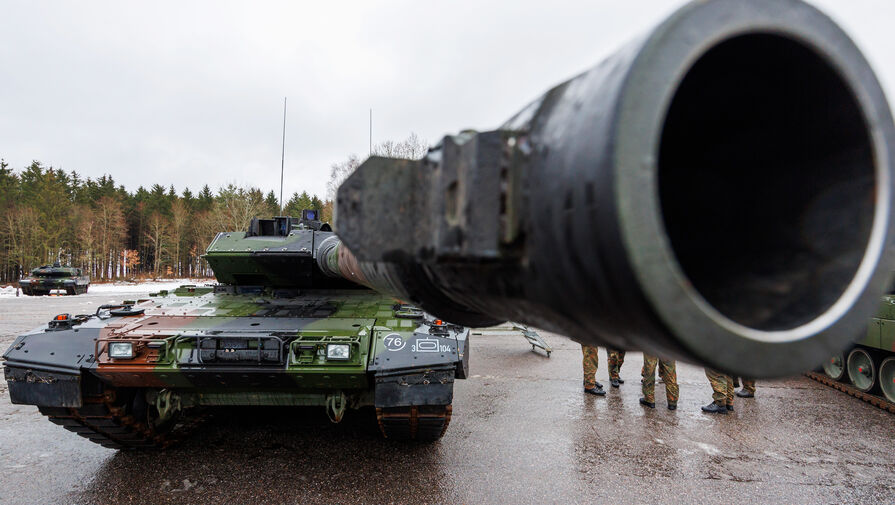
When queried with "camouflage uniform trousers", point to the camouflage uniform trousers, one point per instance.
{"points": [[614, 362], [589, 364], [668, 372], [749, 385], [722, 387]]}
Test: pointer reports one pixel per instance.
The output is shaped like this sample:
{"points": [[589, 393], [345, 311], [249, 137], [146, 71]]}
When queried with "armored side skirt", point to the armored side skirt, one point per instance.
{"points": [[415, 387]]}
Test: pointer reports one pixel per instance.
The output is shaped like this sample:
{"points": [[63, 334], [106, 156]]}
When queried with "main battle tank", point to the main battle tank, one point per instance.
{"points": [[45, 279], [287, 325], [718, 191]]}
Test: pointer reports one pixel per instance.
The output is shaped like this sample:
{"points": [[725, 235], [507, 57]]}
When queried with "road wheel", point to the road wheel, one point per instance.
{"points": [[834, 367], [861, 369], [887, 378]]}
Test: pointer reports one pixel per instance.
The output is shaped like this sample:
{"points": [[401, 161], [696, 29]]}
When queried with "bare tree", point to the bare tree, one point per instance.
{"points": [[180, 220], [411, 148], [86, 236], [158, 234], [338, 173], [235, 207], [21, 227], [111, 231]]}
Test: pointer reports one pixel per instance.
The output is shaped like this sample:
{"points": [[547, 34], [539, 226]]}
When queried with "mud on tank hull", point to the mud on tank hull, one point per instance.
{"points": [[178, 353]]}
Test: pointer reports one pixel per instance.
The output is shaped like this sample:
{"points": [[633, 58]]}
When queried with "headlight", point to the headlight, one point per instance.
{"points": [[338, 351], [121, 350]]}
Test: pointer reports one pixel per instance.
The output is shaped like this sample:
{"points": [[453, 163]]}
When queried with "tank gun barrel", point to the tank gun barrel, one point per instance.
{"points": [[718, 191], [335, 260]]}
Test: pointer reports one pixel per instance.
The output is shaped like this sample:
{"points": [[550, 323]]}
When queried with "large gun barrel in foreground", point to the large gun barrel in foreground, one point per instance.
{"points": [[718, 191]]}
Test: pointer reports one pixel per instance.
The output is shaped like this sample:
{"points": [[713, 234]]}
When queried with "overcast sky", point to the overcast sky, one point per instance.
{"points": [[189, 93]]}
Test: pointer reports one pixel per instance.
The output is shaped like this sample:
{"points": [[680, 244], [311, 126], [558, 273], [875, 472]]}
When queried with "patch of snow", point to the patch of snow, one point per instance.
{"points": [[8, 291], [145, 287]]}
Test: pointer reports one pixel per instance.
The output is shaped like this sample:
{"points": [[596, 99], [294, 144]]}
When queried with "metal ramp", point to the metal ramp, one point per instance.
{"points": [[506, 329]]}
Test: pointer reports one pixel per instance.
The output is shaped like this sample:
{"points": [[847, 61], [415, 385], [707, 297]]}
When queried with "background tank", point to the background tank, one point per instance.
{"points": [[277, 331], [46, 278], [866, 369], [718, 191]]}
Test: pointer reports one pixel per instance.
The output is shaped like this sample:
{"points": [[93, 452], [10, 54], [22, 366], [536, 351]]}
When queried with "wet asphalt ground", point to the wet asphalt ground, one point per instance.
{"points": [[522, 432]]}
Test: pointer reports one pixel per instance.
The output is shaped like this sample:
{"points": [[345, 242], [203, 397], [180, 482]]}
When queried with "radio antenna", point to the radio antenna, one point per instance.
{"points": [[283, 156]]}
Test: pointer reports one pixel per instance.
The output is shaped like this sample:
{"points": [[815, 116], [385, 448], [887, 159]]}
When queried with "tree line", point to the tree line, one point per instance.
{"points": [[48, 215], [51, 215]]}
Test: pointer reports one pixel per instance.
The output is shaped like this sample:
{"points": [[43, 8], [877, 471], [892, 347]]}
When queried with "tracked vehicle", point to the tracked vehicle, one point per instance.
{"points": [[866, 369], [287, 325], [48, 278]]}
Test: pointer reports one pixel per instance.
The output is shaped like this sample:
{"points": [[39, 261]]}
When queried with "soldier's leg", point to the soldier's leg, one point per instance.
{"points": [[668, 371], [748, 390], [729, 392], [649, 379], [612, 363], [620, 357], [719, 383], [589, 363]]}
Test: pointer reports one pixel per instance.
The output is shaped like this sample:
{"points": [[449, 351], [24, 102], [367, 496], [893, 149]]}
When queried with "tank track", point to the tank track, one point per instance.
{"points": [[423, 423], [109, 422], [853, 391]]}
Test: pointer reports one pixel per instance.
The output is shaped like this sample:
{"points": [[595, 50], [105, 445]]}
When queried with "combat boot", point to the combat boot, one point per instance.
{"points": [[745, 394], [651, 405], [672, 406], [614, 382], [730, 408], [596, 390], [715, 408]]}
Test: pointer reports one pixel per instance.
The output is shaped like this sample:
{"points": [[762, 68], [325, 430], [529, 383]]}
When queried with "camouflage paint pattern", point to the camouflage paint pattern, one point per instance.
{"points": [[614, 361], [590, 362], [722, 387], [668, 372], [166, 339]]}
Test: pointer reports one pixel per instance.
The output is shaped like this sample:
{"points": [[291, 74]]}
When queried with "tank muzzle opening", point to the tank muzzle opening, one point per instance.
{"points": [[766, 181]]}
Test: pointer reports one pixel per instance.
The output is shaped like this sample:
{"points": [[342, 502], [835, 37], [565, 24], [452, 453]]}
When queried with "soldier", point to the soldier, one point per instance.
{"points": [[590, 362], [722, 392], [614, 360], [748, 389], [668, 372]]}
